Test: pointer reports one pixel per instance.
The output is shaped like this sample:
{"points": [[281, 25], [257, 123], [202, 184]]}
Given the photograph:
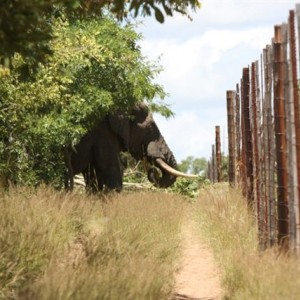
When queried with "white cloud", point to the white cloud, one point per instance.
{"points": [[246, 12], [191, 67], [220, 14]]}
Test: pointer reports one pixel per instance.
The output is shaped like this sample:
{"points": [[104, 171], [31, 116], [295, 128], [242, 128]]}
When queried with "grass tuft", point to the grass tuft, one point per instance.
{"points": [[70, 246]]}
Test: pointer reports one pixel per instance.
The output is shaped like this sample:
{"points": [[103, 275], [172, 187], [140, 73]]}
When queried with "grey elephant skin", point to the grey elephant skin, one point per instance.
{"points": [[97, 155]]}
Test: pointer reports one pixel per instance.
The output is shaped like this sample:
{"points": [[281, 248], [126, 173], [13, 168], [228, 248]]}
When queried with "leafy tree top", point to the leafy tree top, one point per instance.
{"points": [[26, 26], [193, 165]]}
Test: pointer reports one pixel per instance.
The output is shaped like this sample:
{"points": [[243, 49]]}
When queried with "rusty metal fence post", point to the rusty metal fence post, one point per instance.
{"points": [[296, 118], [238, 133], [248, 136], [269, 148], [230, 95], [218, 154], [290, 134], [255, 161], [213, 164], [281, 147], [243, 163]]}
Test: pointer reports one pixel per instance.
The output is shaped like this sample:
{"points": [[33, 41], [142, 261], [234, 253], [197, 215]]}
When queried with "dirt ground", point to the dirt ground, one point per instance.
{"points": [[198, 277]]}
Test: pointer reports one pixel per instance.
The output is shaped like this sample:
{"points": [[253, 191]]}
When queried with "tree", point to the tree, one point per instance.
{"points": [[199, 165], [96, 67], [26, 25], [193, 165], [225, 166], [185, 164], [63, 65]]}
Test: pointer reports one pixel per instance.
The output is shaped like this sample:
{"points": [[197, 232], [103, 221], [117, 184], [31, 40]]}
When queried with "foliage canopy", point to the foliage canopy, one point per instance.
{"points": [[193, 165], [26, 25], [96, 67], [63, 65]]}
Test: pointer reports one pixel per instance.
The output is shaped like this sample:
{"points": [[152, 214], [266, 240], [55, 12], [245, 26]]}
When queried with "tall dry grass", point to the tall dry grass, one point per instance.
{"points": [[247, 273], [70, 246]]}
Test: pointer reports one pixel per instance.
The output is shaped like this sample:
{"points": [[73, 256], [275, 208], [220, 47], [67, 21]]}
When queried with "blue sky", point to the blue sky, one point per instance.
{"points": [[202, 59]]}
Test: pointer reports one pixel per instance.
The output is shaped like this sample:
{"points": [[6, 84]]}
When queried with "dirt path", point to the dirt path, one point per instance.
{"points": [[198, 277]]}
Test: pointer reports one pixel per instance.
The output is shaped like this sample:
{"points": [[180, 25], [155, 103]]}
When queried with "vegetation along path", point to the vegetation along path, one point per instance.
{"points": [[198, 277]]}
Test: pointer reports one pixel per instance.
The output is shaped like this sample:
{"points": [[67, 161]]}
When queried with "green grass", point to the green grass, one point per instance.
{"points": [[58, 246], [247, 273]]}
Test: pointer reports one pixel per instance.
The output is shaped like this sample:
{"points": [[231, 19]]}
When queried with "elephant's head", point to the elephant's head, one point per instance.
{"points": [[141, 137]]}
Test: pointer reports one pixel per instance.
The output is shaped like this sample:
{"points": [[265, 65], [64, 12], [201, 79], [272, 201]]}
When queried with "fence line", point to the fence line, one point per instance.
{"points": [[263, 117]]}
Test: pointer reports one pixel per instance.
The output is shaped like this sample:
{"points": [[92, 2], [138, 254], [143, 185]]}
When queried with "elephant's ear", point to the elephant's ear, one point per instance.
{"points": [[119, 124]]}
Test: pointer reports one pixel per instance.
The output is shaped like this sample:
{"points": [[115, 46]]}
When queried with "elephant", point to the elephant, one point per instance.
{"points": [[97, 155]]}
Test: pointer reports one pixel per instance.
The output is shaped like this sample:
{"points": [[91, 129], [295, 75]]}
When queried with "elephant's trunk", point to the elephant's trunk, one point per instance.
{"points": [[167, 165], [167, 178], [158, 175]]}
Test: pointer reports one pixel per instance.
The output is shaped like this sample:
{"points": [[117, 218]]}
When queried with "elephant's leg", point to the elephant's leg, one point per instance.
{"points": [[113, 179], [93, 181], [69, 173], [108, 165], [81, 159], [113, 172]]}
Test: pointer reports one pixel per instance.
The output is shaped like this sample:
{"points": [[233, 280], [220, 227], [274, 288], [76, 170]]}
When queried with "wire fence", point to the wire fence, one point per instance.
{"points": [[264, 138]]}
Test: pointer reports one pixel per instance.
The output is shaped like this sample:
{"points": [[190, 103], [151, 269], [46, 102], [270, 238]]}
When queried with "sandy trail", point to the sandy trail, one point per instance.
{"points": [[198, 277]]}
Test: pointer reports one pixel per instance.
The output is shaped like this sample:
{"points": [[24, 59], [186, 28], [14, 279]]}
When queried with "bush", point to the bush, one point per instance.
{"points": [[95, 68]]}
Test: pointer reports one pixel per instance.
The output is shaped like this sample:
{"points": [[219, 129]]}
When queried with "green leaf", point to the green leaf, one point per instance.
{"points": [[167, 9], [158, 15]]}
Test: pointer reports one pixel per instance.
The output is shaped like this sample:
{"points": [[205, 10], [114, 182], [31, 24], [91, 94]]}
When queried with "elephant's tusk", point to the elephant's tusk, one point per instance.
{"points": [[172, 171]]}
